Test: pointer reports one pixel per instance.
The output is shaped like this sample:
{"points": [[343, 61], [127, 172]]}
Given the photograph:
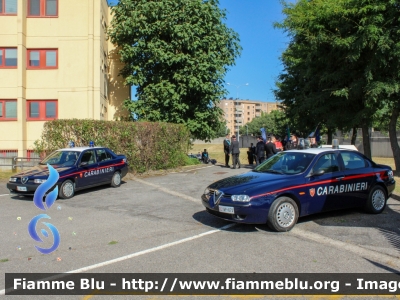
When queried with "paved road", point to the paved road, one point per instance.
{"points": [[159, 225]]}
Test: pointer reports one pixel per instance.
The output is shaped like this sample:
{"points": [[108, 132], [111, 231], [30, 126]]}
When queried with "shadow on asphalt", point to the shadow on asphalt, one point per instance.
{"points": [[81, 192], [382, 266], [386, 223]]}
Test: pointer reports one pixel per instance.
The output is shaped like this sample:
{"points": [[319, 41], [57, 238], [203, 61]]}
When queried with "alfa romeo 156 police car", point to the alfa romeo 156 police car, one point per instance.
{"points": [[297, 183], [79, 168]]}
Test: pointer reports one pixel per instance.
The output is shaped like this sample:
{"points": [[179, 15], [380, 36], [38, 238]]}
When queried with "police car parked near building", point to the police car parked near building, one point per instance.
{"points": [[79, 168], [297, 183]]}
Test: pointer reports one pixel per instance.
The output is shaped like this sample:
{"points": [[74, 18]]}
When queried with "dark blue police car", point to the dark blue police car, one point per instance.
{"points": [[79, 168], [297, 183]]}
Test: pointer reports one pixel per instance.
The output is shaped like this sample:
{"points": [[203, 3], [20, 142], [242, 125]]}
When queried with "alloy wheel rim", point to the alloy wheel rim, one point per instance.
{"points": [[378, 200], [285, 214], [117, 179], [68, 189]]}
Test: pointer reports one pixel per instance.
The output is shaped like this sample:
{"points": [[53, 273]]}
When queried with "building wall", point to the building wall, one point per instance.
{"points": [[83, 83], [240, 112]]}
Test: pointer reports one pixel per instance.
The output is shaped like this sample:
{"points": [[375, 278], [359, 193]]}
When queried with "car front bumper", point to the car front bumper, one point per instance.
{"points": [[247, 213], [30, 188]]}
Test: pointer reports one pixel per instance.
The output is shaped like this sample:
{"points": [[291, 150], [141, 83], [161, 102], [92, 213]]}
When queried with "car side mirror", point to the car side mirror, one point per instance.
{"points": [[84, 163], [318, 173]]}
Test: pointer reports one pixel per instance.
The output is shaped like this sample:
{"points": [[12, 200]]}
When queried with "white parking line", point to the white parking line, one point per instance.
{"points": [[4, 195], [136, 254], [380, 257], [198, 201]]}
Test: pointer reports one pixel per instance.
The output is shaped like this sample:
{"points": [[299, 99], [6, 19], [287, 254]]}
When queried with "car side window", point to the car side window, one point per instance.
{"points": [[353, 160], [88, 157], [103, 155], [328, 163]]}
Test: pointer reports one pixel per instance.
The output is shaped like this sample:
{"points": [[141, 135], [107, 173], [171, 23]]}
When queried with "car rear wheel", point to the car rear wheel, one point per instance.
{"points": [[376, 200], [283, 214], [116, 179], [67, 189]]}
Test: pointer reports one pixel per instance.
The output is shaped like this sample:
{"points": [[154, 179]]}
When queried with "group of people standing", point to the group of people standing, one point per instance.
{"points": [[262, 151]]}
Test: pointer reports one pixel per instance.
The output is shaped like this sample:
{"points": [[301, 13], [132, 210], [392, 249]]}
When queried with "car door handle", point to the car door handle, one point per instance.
{"points": [[340, 178]]}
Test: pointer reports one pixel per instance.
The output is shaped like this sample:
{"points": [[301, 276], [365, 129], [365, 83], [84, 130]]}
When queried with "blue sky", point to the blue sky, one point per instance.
{"points": [[259, 63]]}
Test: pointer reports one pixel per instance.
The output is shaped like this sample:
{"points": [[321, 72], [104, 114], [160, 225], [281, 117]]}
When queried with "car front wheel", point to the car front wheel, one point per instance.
{"points": [[67, 189], [283, 214], [116, 179], [376, 200]]}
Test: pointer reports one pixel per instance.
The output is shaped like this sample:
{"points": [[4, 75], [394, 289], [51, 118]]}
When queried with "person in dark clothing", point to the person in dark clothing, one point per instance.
{"points": [[250, 156], [294, 143], [204, 157], [270, 147], [253, 151], [227, 144], [260, 150], [235, 150], [313, 143]]}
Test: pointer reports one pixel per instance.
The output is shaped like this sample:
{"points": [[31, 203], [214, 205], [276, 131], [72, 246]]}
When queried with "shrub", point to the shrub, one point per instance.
{"points": [[147, 145]]}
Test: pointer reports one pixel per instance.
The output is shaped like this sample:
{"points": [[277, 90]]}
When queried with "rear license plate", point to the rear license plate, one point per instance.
{"points": [[21, 188], [226, 209]]}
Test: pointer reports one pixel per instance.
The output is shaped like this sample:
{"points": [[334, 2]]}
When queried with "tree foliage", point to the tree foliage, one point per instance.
{"points": [[274, 122], [176, 53], [342, 64]]}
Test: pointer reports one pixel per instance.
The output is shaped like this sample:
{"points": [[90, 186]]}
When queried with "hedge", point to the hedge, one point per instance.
{"points": [[147, 145]]}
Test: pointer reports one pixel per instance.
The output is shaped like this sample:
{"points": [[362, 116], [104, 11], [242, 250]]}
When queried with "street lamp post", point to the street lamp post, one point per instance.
{"points": [[237, 97]]}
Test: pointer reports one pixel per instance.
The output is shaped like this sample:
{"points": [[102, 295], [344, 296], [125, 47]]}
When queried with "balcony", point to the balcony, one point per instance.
{"points": [[258, 114], [239, 110]]}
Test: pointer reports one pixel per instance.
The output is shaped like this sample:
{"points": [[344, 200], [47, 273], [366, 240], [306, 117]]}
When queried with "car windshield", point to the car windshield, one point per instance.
{"points": [[63, 158], [286, 163]]}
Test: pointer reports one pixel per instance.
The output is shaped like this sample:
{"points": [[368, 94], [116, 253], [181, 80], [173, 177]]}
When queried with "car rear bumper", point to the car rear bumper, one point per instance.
{"points": [[124, 171]]}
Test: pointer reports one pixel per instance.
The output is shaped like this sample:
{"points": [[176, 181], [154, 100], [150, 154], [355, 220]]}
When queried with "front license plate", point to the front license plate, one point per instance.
{"points": [[21, 188], [226, 209]]}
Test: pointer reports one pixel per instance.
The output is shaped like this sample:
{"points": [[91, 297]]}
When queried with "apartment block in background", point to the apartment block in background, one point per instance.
{"points": [[238, 112], [55, 63]]}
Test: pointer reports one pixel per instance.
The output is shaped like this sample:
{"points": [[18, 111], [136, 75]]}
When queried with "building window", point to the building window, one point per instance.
{"points": [[8, 57], [41, 110], [8, 110], [8, 7], [42, 59], [42, 8]]}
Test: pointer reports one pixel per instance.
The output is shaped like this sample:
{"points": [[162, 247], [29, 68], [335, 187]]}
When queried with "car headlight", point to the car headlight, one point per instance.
{"points": [[39, 180], [240, 198], [207, 191], [390, 174], [13, 179]]}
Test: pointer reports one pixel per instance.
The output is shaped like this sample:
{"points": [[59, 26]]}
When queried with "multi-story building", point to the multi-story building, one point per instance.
{"points": [[238, 112], [55, 63]]}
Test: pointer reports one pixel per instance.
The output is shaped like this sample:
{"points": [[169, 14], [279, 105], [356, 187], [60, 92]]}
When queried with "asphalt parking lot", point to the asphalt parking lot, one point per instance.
{"points": [[158, 225]]}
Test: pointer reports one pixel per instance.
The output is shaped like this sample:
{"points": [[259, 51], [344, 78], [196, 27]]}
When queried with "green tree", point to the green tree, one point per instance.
{"points": [[274, 122], [341, 66], [176, 53]]}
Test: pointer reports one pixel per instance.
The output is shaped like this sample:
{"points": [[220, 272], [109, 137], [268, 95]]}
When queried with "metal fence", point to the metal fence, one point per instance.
{"points": [[18, 163], [380, 144]]}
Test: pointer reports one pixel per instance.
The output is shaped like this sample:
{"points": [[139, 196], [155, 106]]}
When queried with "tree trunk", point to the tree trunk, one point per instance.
{"points": [[330, 133], [366, 140], [393, 137], [354, 135]]}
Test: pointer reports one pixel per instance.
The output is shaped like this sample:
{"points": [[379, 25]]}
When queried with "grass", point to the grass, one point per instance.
{"points": [[5, 175], [113, 243], [217, 152], [3, 260]]}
